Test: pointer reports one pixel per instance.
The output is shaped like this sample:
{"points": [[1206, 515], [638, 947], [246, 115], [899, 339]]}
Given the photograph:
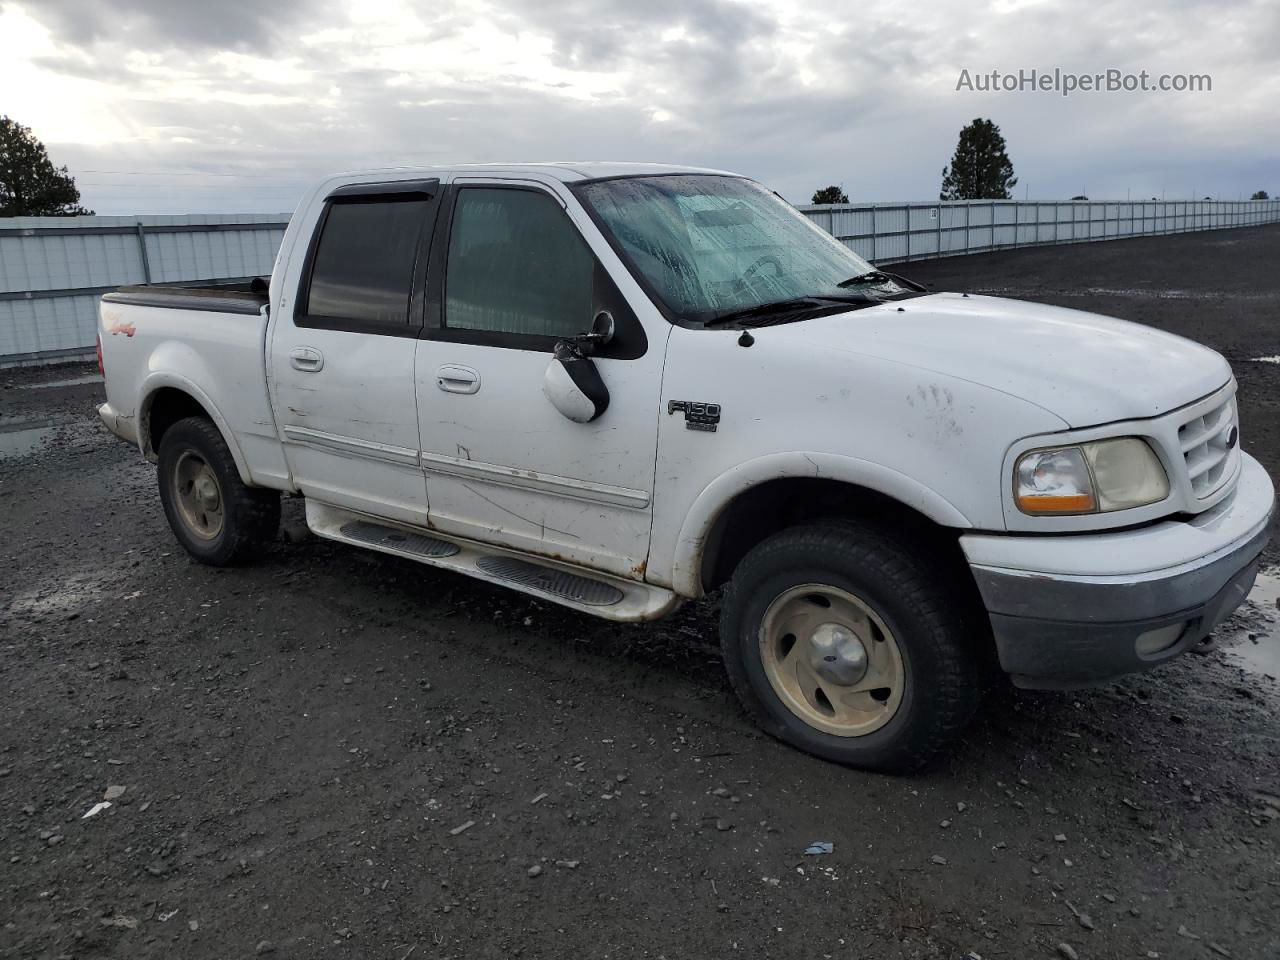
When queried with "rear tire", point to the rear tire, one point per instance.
{"points": [[842, 642], [216, 517]]}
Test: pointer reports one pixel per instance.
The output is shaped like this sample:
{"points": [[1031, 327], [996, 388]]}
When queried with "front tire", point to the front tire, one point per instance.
{"points": [[842, 642], [216, 517]]}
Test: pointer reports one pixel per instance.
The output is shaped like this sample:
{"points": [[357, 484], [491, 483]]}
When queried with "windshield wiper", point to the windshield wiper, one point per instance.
{"points": [[793, 305], [881, 276]]}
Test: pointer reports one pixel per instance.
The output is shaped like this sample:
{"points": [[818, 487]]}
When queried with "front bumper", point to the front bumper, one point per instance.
{"points": [[1068, 611]]}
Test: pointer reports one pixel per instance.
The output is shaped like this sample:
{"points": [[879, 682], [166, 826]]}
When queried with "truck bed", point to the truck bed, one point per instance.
{"points": [[154, 348], [248, 298]]}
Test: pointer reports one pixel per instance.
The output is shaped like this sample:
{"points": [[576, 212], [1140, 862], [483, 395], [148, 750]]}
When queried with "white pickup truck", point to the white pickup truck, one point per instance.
{"points": [[618, 387]]}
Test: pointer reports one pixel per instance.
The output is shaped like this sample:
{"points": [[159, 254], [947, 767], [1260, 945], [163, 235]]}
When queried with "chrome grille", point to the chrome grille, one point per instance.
{"points": [[1211, 447]]}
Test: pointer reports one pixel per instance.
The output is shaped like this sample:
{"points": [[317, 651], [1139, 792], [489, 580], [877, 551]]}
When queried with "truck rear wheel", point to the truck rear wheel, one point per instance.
{"points": [[213, 513], [840, 641]]}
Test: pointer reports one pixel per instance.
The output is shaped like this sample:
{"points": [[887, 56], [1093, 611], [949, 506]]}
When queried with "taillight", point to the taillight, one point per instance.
{"points": [[101, 369]]}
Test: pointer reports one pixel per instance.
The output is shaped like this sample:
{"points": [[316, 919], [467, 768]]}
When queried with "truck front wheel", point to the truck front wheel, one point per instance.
{"points": [[840, 641], [213, 513]]}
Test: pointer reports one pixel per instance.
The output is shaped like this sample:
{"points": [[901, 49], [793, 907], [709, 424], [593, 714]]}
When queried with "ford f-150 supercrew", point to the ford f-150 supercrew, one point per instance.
{"points": [[618, 387]]}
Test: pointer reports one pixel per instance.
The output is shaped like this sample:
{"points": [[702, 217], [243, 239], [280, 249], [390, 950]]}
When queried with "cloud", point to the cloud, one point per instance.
{"points": [[179, 24], [691, 35], [796, 94]]}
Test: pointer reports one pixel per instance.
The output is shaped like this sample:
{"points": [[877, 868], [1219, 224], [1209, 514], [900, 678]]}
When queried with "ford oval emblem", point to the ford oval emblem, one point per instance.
{"points": [[1233, 437]]}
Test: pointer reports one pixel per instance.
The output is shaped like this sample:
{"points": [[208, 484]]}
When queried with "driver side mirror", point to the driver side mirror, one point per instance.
{"points": [[571, 382]]}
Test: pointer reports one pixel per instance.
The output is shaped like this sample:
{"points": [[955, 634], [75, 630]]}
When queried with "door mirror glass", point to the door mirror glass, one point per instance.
{"points": [[573, 384], [601, 332], [602, 328]]}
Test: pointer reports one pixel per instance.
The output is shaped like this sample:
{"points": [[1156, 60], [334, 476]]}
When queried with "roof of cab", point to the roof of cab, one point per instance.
{"points": [[564, 171]]}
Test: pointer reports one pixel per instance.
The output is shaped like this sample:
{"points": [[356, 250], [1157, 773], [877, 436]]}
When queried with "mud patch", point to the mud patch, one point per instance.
{"points": [[1258, 647], [69, 382], [64, 598], [19, 438]]}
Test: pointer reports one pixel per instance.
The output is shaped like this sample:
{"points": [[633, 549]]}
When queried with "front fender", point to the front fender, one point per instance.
{"points": [[717, 495]]}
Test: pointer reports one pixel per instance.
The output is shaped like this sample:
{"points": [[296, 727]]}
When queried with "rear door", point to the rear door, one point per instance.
{"points": [[516, 267], [342, 364]]}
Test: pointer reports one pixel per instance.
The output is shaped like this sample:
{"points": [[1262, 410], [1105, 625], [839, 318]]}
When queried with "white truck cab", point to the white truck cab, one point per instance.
{"points": [[618, 387]]}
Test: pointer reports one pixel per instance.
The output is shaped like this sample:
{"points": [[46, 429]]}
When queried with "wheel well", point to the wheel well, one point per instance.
{"points": [[166, 407], [771, 507], [764, 510]]}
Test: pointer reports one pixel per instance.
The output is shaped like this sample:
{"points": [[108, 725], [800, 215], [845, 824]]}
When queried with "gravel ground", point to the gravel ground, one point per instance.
{"points": [[335, 753]]}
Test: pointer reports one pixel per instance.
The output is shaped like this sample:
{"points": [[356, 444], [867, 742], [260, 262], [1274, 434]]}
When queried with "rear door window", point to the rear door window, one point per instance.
{"points": [[363, 265]]}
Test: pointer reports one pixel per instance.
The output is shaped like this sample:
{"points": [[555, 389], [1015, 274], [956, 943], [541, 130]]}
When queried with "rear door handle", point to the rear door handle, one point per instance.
{"points": [[454, 378], [306, 359]]}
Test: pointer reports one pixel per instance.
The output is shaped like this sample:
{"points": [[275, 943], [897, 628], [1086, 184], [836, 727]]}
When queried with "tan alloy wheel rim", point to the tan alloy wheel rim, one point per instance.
{"points": [[198, 496], [831, 660]]}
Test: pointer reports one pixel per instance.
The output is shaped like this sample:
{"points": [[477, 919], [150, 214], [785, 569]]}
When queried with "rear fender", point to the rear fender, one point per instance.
{"points": [[158, 380]]}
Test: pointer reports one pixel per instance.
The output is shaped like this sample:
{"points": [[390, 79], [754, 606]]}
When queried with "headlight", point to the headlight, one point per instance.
{"points": [[1089, 478]]}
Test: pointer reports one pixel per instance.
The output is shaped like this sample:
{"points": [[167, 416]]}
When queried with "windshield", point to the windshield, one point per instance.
{"points": [[715, 245]]}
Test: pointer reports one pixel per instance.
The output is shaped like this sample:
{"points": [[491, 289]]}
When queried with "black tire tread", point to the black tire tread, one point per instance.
{"points": [[920, 583], [252, 514]]}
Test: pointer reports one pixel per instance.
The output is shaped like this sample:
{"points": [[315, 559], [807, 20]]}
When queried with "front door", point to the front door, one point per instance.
{"points": [[342, 360], [513, 273]]}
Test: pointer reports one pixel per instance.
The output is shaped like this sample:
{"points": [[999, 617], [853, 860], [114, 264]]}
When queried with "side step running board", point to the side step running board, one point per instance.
{"points": [[561, 583], [588, 590], [376, 535]]}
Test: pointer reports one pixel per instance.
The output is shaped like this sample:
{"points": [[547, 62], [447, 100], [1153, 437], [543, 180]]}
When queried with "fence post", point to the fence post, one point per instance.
{"points": [[142, 249]]}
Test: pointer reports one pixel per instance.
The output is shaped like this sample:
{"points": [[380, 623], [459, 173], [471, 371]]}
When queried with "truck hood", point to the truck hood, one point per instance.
{"points": [[1085, 368]]}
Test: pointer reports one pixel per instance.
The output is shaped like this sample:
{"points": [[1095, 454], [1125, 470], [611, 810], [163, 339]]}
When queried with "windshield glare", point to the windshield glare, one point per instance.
{"points": [[713, 245]]}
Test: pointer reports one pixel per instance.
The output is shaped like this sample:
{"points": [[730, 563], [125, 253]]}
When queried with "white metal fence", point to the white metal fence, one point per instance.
{"points": [[889, 232], [53, 269]]}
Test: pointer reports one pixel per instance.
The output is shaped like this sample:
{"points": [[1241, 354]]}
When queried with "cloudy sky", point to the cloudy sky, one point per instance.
{"points": [[164, 106]]}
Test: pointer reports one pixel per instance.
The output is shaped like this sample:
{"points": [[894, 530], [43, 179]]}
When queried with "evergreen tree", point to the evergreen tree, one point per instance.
{"points": [[980, 168], [30, 185], [831, 194]]}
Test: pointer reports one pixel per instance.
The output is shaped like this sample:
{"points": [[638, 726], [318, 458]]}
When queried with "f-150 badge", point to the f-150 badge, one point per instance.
{"points": [[697, 416]]}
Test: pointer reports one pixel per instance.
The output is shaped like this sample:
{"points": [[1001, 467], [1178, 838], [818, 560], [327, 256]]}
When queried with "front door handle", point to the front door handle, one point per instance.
{"points": [[454, 378], [306, 359]]}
